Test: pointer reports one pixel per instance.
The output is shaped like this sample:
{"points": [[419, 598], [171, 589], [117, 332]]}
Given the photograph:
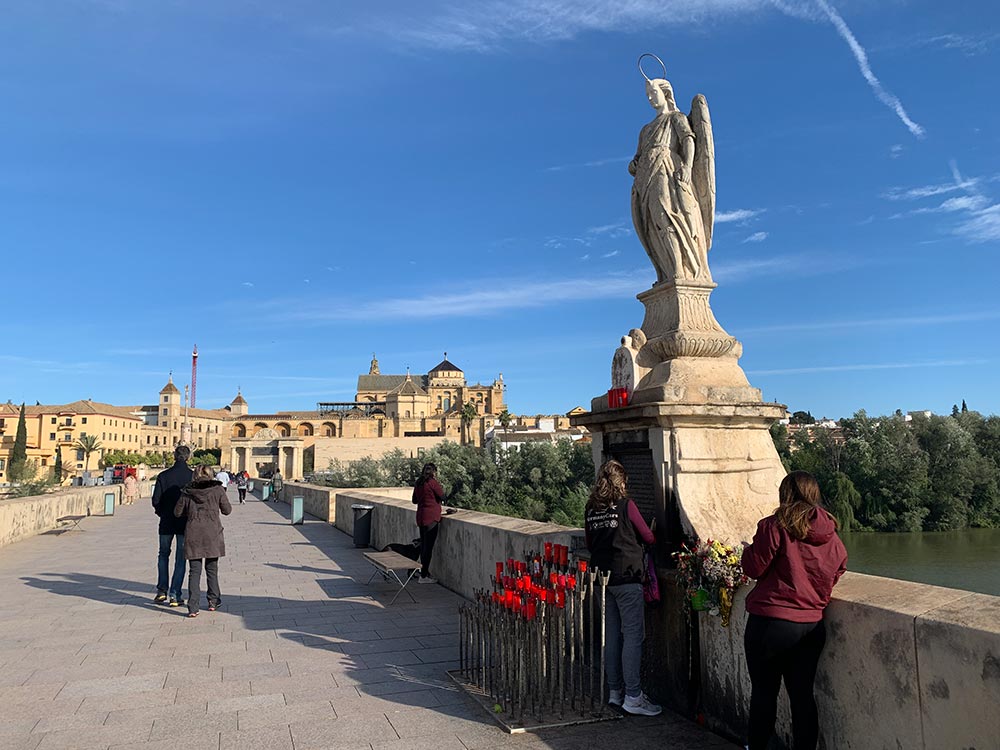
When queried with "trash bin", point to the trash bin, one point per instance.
{"points": [[362, 524]]}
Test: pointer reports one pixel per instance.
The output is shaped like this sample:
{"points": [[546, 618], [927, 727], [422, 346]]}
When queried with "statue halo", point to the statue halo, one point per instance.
{"points": [[643, 72]]}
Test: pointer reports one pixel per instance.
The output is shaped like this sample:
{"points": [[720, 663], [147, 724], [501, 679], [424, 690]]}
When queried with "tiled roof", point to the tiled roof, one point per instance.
{"points": [[386, 382], [408, 388], [169, 388], [446, 366]]}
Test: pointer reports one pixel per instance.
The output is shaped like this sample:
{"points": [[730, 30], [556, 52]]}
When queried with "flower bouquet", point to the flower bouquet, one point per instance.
{"points": [[710, 572]]}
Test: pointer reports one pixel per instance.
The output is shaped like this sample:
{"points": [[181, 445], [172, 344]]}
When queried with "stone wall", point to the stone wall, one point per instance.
{"points": [[355, 448], [468, 544], [27, 516], [906, 665]]}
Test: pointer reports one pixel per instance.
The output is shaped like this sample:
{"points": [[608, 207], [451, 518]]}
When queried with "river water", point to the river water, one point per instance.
{"points": [[968, 559]]}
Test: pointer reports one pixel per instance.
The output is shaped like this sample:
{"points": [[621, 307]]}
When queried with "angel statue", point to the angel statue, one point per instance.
{"points": [[673, 196]]}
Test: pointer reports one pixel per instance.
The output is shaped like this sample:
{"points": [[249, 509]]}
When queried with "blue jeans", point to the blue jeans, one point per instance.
{"points": [[163, 567], [625, 630]]}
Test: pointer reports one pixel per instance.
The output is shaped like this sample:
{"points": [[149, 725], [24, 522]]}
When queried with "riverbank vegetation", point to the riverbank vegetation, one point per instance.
{"points": [[537, 481], [891, 473]]}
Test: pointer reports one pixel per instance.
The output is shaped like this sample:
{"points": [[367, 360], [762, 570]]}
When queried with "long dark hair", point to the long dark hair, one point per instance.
{"points": [[800, 497], [428, 472], [610, 486]]}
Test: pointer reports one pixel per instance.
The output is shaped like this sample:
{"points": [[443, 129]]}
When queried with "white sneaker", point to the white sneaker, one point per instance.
{"points": [[427, 579], [615, 698], [641, 706]]}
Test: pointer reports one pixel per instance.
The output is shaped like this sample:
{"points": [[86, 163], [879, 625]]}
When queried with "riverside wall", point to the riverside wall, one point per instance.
{"points": [[24, 517], [906, 665]]}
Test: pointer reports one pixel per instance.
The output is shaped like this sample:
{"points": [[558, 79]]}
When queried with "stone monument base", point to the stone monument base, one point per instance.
{"points": [[705, 469]]}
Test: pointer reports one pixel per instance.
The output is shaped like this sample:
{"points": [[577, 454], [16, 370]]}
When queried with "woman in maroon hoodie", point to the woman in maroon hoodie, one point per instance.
{"points": [[796, 557], [428, 495]]}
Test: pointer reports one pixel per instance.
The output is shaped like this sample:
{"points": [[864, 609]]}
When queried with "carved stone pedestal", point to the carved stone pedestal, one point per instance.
{"points": [[705, 470]]}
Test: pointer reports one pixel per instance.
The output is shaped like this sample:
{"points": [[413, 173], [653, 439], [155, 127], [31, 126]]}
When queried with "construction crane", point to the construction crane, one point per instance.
{"points": [[194, 376]]}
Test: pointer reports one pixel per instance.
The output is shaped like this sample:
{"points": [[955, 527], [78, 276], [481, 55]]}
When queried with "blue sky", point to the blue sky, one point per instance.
{"points": [[295, 185]]}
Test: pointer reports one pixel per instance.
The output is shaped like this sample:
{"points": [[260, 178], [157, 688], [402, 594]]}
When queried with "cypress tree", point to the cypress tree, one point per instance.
{"points": [[57, 470], [19, 453]]}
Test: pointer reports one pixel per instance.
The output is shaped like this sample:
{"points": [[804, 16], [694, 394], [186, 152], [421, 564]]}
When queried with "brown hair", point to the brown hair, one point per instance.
{"points": [[609, 487], [203, 474], [799, 497]]}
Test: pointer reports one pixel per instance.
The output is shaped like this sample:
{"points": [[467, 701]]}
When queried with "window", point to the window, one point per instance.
{"points": [[69, 420], [67, 437], [83, 435], [45, 462], [165, 399], [3, 464], [52, 436], [79, 455], [53, 420], [83, 420], [164, 413]]}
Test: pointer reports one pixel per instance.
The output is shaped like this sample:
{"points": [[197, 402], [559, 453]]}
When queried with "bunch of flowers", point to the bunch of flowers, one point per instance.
{"points": [[710, 572]]}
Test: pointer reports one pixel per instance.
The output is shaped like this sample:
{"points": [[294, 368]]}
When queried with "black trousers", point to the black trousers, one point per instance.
{"points": [[194, 583], [243, 493], [776, 650], [428, 535]]}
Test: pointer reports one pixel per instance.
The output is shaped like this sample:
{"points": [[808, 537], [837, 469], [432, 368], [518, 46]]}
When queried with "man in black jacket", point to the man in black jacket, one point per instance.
{"points": [[165, 496]]}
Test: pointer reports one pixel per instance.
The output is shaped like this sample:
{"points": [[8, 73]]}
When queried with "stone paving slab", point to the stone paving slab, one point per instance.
{"points": [[303, 654]]}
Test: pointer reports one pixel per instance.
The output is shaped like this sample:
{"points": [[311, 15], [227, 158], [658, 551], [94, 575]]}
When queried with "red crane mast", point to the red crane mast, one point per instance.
{"points": [[194, 375]]}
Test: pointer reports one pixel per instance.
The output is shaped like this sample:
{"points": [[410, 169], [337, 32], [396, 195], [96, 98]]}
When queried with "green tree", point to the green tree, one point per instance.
{"points": [[802, 417], [19, 467], [88, 444], [843, 500], [57, 469]]}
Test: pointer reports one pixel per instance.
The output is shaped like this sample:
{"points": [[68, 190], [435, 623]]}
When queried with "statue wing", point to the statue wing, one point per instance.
{"points": [[703, 173]]}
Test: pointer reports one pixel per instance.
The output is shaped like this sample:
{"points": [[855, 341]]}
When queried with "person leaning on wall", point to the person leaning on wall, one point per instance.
{"points": [[428, 495], [796, 558]]}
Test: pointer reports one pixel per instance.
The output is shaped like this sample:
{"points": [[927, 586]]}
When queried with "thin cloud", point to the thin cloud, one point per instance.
{"points": [[612, 231], [902, 321], [873, 366], [740, 214], [248, 283], [895, 150], [887, 98], [980, 215], [756, 237], [589, 164], [493, 296], [612, 254]]}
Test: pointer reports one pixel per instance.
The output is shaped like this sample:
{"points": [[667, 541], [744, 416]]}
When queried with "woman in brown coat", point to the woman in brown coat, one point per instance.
{"points": [[202, 501]]}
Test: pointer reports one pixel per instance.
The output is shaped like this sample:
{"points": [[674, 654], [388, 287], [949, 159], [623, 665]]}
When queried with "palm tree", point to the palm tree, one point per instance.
{"points": [[88, 444], [469, 414], [505, 419]]}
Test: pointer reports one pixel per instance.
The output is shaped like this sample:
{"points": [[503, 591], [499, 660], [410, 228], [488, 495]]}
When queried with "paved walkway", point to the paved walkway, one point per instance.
{"points": [[303, 655]]}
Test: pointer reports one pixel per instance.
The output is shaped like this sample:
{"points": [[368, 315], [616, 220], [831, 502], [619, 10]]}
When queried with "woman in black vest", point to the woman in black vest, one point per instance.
{"points": [[614, 530]]}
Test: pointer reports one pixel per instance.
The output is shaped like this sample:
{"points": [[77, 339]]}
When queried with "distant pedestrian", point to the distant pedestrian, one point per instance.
{"points": [[223, 478], [241, 486], [131, 485], [166, 493], [277, 485], [797, 558], [428, 494], [615, 532], [202, 501]]}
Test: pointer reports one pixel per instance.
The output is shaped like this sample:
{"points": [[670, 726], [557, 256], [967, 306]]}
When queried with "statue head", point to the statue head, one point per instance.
{"points": [[661, 95]]}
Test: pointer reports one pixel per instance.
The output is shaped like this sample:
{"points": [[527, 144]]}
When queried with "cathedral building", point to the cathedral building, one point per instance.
{"points": [[409, 412]]}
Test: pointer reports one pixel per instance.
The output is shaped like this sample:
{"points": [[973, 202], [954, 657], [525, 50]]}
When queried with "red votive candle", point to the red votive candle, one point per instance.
{"points": [[571, 581], [560, 598], [499, 570], [583, 566], [553, 578], [563, 555], [532, 610], [562, 580], [548, 552]]}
